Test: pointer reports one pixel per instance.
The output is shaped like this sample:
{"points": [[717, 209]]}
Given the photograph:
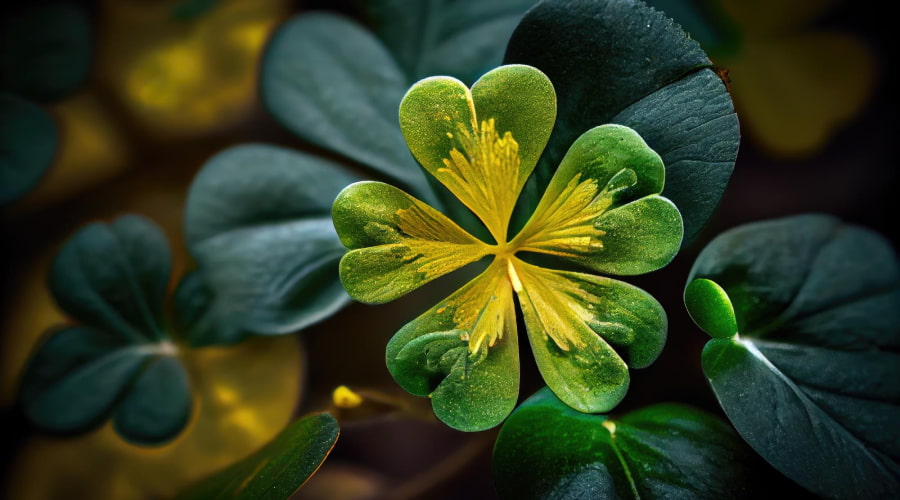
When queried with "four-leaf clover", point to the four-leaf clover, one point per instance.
{"points": [[602, 211]]}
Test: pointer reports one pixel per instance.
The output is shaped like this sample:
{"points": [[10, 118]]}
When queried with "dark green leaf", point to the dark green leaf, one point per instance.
{"points": [[258, 221], [334, 84], [113, 277], [548, 450], [45, 50], [121, 364], [445, 37], [28, 142], [619, 61], [158, 405], [812, 378], [277, 470]]}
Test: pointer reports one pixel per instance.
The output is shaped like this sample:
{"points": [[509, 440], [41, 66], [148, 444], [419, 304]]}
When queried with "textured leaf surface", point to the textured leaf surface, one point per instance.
{"points": [[335, 85], [621, 62], [28, 141], [445, 37], [812, 378], [548, 450], [120, 363], [258, 222], [277, 470], [397, 242], [599, 210], [463, 353]]}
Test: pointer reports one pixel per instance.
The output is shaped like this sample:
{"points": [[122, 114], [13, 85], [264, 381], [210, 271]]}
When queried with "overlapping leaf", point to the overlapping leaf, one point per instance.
{"points": [[615, 61], [277, 470], [119, 362], [805, 315], [547, 450]]}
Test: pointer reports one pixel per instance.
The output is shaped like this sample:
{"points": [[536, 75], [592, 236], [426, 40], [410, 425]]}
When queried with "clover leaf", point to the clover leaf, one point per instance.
{"points": [[28, 142], [615, 61], [547, 450], [119, 362], [805, 318], [602, 211]]}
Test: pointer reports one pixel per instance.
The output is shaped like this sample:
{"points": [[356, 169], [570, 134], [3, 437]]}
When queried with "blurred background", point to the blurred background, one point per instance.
{"points": [[169, 83]]}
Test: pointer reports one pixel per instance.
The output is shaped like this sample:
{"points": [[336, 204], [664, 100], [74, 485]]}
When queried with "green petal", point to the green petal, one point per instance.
{"points": [[482, 145], [574, 322], [640, 237], [608, 167], [463, 353], [399, 243]]}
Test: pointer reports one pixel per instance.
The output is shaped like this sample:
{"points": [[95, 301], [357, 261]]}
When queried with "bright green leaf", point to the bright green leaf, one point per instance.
{"points": [[28, 141], [710, 307], [463, 353], [279, 469], [547, 450], [483, 155], [817, 305], [619, 61], [397, 242]]}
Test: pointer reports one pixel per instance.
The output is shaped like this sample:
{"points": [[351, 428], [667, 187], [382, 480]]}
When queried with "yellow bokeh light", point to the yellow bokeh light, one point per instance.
{"points": [[262, 380]]}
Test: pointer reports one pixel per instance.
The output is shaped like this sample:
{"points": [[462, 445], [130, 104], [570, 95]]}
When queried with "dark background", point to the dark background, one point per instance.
{"points": [[853, 177]]}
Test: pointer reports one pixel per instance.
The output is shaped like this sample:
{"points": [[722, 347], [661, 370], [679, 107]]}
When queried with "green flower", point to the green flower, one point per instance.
{"points": [[602, 211]]}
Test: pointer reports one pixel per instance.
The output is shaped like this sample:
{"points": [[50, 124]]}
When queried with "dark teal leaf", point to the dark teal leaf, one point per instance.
{"points": [[45, 50], [158, 405], [277, 470], [334, 84], [28, 141], [120, 363], [113, 277], [258, 222], [445, 37], [619, 61], [548, 450], [812, 378]]}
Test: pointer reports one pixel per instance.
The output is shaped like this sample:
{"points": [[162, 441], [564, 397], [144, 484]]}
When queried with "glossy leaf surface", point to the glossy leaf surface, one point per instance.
{"points": [[812, 378], [616, 61], [548, 450], [277, 470]]}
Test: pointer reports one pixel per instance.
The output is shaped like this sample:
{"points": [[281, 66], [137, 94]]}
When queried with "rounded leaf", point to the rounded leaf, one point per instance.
{"points": [[28, 140], [548, 450], [817, 307], [620, 61]]}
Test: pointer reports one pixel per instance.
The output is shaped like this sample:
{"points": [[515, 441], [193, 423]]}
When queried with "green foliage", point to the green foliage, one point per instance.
{"points": [[548, 450], [258, 222], [811, 379], [119, 362], [278, 469], [28, 140], [45, 50], [602, 210], [613, 61]]}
